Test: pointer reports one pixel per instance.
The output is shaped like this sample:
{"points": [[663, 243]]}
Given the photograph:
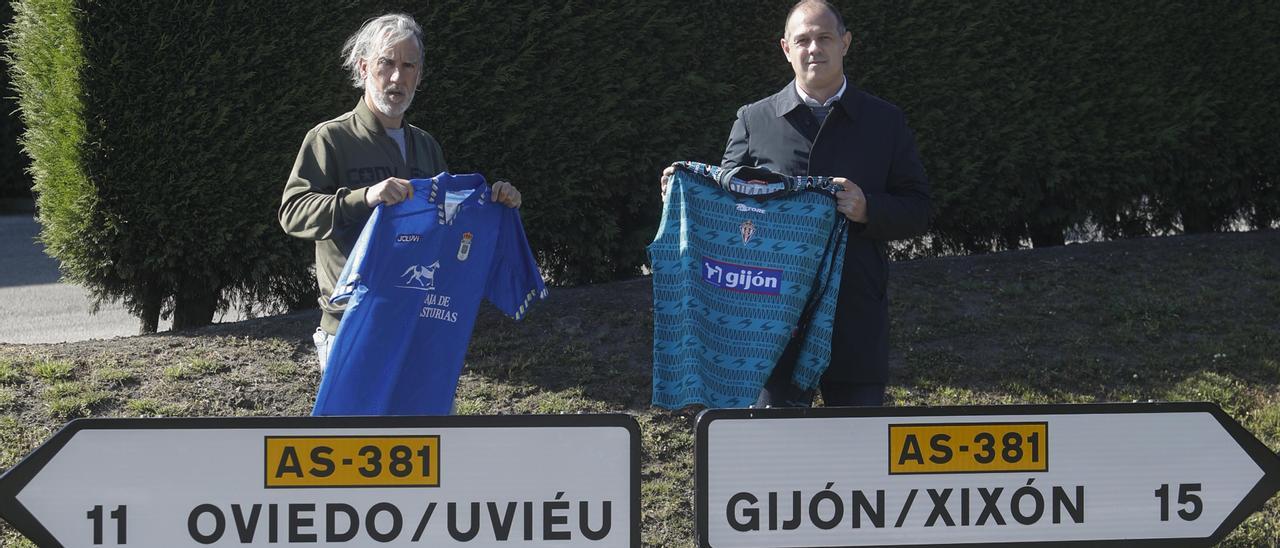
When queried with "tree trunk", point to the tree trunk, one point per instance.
{"points": [[152, 300], [195, 304], [1197, 220], [1012, 236], [1045, 235]]}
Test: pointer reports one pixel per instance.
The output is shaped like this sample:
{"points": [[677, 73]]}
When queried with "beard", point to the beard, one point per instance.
{"points": [[382, 100]]}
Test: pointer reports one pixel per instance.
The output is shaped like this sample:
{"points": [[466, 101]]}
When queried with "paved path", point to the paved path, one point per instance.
{"points": [[36, 308]]}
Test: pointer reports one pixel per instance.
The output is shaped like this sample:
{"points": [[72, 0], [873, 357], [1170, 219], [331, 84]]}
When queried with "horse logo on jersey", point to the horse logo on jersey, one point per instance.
{"points": [[465, 248], [747, 230], [423, 276]]}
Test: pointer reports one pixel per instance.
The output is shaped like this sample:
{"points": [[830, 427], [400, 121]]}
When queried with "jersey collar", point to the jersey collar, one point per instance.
{"points": [[437, 187]]}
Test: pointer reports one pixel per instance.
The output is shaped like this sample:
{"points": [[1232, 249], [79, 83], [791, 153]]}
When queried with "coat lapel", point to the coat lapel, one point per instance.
{"points": [[788, 106]]}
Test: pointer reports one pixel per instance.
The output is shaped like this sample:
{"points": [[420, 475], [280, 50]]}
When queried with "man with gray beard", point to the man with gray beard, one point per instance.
{"points": [[352, 163]]}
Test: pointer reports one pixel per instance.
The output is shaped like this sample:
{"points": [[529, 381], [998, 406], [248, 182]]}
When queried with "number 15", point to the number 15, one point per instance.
{"points": [[1186, 497]]}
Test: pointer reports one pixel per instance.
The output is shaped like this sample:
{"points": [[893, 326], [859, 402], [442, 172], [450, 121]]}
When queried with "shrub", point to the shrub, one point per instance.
{"points": [[14, 180], [162, 133]]}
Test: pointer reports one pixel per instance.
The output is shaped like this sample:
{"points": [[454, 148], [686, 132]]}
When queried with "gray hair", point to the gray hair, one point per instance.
{"points": [[374, 36]]}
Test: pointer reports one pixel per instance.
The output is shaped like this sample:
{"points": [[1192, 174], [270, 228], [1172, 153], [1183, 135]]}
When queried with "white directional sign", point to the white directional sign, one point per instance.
{"points": [[332, 481], [1181, 474]]}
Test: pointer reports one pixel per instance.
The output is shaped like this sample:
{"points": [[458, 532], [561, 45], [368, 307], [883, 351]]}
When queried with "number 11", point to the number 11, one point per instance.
{"points": [[96, 515]]}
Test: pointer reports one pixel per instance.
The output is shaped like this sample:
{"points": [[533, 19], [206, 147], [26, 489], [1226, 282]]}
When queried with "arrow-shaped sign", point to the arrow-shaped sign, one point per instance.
{"points": [[1166, 474], [566, 480]]}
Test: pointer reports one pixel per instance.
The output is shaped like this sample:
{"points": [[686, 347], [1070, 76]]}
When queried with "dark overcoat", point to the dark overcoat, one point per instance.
{"points": [[864, 139]]}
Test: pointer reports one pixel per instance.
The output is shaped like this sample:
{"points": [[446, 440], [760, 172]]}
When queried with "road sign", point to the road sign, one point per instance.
{"points": [[1162, 474], [566, 480]]}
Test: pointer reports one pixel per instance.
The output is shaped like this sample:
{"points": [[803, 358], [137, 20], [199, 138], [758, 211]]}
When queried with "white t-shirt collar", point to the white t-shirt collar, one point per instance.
{"points": [[810, 101]]}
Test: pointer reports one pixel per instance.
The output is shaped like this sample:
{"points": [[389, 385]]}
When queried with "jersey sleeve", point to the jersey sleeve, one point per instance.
{"points": [[514, 280], [354, 272]]}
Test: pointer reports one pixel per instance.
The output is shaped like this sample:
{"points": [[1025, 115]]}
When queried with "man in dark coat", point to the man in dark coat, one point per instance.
{"points": [[820, 124]]}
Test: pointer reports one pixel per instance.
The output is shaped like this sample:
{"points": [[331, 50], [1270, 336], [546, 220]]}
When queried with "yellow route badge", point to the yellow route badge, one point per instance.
{"points": [[968, 447], [352, 461]]}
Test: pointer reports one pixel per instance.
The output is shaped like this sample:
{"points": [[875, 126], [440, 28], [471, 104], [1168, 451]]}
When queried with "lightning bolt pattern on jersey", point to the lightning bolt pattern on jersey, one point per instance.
{"points": [[735, 278]]}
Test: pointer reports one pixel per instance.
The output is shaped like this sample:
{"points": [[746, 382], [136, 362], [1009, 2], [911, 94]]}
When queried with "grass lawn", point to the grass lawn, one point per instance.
{"points": [[1187, 318]]}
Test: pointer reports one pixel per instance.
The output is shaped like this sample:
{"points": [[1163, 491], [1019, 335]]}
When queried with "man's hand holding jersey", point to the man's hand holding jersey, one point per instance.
{"points": [[665, 180], [851, 202], [390, 191], [505, 194]]}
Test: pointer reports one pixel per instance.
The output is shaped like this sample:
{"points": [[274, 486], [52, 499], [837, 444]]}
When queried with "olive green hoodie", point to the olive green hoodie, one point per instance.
{"points": [[324, 197]]}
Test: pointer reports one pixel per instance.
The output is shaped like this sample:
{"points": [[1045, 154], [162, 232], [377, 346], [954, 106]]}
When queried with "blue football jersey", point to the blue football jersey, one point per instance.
{"points": [[413, 283], [740, 267]]}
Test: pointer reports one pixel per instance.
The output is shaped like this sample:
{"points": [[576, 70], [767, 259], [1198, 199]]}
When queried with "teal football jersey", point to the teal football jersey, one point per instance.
{"points": [[744, 260]]}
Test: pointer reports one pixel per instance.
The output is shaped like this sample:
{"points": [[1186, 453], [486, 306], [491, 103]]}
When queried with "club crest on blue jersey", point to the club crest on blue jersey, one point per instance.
{"points": [[420, 277], [464, 249], [746, 279]]}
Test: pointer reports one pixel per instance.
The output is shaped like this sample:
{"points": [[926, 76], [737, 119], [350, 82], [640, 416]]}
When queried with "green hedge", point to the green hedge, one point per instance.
{"points": [[161, 136], [1042, 120], [14, 180], [162, 133]]}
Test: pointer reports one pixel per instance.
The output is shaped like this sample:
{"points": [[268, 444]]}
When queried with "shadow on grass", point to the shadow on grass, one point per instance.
{"points": [[595, 341], [1118, 321]]}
